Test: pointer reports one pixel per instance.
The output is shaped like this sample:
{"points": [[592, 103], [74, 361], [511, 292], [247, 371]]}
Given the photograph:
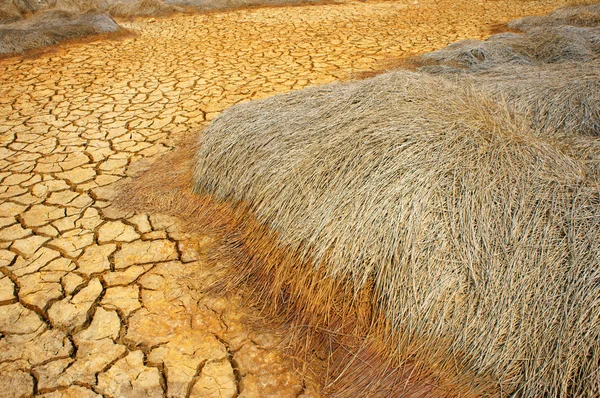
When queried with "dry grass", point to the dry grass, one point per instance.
{"points": [[586, 14], [28, 25], [80, 6], [57, 48], [537, 46], [560, 100], [553, 38], [13, 10], [141, 8], [9, 13], [552, 74], [439, 205], [48, 28], [325, 353], [426, 234], [27, 5], [420, 231]]}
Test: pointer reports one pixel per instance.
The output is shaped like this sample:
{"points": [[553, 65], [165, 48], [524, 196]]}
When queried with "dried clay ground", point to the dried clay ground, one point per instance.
{"points": [[96, 301]]}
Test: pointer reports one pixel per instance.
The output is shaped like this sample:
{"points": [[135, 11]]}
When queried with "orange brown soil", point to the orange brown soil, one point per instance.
{"points": [[96, 300]]}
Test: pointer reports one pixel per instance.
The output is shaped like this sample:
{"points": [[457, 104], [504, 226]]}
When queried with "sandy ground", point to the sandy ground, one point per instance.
{"points": [[95, 301]]}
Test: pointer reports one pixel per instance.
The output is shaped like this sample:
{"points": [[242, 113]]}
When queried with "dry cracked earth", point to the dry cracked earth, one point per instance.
{"points": [[96, 301]]}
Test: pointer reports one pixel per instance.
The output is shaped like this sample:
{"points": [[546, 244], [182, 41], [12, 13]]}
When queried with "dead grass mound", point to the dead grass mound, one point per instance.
{"points": [[51, 27], [9, 12], [560, 100], [537, 46], [434, 234], [27, 5], [579, 15], [426, 219], [551, 74], [80, 6], [13, 10], [143, 8]]}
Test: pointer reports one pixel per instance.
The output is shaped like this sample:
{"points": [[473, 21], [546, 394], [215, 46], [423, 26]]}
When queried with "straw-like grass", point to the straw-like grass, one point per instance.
{"points": [[9, 13], [551, 74], [577, 15], [139, 8], [537, 46], [434, 234], [561, 100], [417, 229], [26, 5], [473, 240], [51, 27], [80, 6], [13, 10]]}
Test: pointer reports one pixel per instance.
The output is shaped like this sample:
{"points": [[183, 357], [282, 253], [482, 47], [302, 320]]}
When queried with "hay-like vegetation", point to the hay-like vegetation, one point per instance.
{"points": [[8, 12], [560, 100], [80, 6], [27, 5], [537, 46], [578, 15], [51, 27], [551, 73], [434, 234], [140, 8], [29, 25], [13, 10], [468, 243]]}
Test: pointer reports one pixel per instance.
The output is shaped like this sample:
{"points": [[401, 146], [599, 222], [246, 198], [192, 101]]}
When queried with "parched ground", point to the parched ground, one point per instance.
{"points": [[95, 301]]}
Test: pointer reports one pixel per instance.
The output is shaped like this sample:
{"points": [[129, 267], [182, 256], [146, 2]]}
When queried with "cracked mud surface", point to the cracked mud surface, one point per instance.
{"points": [[95, 301]]}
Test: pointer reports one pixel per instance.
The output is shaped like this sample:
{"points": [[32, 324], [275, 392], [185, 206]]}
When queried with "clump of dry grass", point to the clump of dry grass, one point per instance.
{"points": [[50, 27], [80, 6], [574, 15], [466, 243], [560, 100], [117, 8], [551, 74], [13, 10], [27, 5], [40, 24], [143, 8], [537, 46], [9, 13], [435, 235]]}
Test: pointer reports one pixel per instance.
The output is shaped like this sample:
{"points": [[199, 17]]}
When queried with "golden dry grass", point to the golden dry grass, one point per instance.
{"points": [[143, 8], [568, 34], [579, 13], [9, 13], [422, 239], [47, 28], [418, 235]]}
